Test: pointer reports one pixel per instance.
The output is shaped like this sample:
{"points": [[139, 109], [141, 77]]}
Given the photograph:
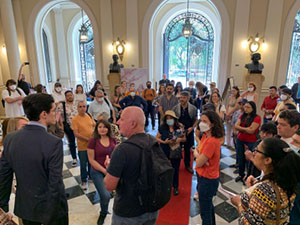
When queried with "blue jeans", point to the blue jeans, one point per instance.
{"points": [[240, 147], [144, 219], [85, 166], [207, 189], [98, 179]]}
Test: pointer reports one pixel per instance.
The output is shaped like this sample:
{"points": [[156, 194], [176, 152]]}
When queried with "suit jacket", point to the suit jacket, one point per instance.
{"points": [[36, 158], [295, 91]]}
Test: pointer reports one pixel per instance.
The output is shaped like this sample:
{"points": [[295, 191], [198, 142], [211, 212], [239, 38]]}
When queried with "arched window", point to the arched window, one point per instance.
{"points": [[87, 61], [47, 56], [189, 58], [294, 66]]}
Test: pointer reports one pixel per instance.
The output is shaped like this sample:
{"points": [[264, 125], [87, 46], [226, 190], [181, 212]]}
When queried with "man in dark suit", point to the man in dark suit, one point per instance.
{"points": [[36, 158], [296, 92]]}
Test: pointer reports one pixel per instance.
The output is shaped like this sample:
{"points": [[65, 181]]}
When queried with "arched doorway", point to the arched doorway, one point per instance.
{"points": [[189, 58], [68, 69], [159, 15]]}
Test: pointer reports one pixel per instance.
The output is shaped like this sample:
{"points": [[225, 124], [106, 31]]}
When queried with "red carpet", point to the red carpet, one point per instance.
{"points": [[177, 211]]}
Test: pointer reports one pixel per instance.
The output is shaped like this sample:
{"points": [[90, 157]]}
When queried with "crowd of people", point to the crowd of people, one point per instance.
{"points": [[99, 133]]}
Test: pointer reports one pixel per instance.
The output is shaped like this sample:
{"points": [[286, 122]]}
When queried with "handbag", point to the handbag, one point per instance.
{"points": [[175, 151], [4, 219]]}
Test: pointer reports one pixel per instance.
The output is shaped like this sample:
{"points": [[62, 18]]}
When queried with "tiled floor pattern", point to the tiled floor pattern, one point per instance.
{"points": [[84, 205]]}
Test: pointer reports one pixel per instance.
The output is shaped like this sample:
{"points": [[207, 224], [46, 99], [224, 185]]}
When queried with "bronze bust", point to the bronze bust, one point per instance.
{"points": [[255, 66], [115, 67]]}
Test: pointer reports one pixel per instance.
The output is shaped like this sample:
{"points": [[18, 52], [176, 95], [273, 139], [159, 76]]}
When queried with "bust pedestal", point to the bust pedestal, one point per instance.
{"points": [[257, 79], [113, 79]]}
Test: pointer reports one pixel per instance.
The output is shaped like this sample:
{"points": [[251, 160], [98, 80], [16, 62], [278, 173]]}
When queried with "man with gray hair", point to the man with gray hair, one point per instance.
{"points": [[187, 114], [101, 104]]}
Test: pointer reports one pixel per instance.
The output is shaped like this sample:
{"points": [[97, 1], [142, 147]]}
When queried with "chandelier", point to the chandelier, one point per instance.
{"points": [[187, 26], [83, 31]]}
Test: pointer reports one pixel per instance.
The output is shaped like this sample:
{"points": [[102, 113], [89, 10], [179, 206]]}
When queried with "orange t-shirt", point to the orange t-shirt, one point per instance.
{"points": [[211, 148], [85, 126]]}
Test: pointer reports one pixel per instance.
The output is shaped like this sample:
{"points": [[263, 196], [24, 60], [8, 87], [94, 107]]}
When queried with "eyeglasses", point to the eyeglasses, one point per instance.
{"points": [[81, 106], [256, 150]]}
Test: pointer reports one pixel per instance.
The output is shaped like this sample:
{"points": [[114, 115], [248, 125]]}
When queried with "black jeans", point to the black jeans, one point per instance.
{"points": [[187, 148], [71, 139], [150, 110], [176, 164]]}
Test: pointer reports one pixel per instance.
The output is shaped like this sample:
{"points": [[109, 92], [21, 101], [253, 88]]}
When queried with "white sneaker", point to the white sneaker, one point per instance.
{"points": [[74, 163], [83, 186]]}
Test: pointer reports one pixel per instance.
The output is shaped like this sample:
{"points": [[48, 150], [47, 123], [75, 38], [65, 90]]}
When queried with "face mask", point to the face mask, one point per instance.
{"points": [[132, 94], [100, 99], [250, 89], [283, 97], [191, 86], [295, 149], [170, 122], [13, 87], [148, 86], [58, 89], [203, 127]]}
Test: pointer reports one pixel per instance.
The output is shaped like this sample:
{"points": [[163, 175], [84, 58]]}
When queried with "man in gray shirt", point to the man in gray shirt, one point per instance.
{"points": [[167, 101]]}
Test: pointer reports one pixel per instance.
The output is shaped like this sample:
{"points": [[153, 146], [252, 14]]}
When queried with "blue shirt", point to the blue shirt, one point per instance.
{"points": [[133, 101]]}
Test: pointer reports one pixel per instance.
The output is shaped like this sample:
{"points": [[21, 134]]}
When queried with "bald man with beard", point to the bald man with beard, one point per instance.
{"points": [[124, 169]]}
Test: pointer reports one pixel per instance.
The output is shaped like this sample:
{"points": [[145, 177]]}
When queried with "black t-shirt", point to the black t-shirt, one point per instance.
{"points": [[185, 119], [125, 163], [24, 86]]}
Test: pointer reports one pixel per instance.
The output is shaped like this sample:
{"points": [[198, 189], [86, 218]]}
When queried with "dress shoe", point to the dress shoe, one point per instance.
{"points": [[101, 219], [236, 171], [239, 178], [234, 166], [176, 192], [189, 169]]}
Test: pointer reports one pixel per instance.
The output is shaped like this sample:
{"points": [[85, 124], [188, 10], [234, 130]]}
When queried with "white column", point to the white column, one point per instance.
{"points": [[240, 33], [272, 35], [132, 33], [106, 38], [61, 46], [10, 36]]}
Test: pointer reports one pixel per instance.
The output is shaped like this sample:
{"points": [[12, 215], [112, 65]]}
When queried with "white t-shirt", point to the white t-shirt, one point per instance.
{"points": [[95, 108], [13, 109], [79, 97], [58, 97]]}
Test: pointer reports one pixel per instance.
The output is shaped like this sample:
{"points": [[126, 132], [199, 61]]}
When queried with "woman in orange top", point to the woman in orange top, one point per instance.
{"points": [[207, 163]]}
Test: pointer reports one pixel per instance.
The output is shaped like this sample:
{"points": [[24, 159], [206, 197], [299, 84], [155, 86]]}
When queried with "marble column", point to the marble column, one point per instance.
{"points": [[10, 36], [61, 47]]}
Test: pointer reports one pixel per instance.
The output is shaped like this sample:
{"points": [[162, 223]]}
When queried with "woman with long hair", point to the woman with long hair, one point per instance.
{"points": [[178, 89], [270, 201], [170, 134], [248, 127], [201, 90], [97, 85], [101, 146], [79, 94], [116, 98], [207, 157], [216, 99], [231, 107], [250, 94]]}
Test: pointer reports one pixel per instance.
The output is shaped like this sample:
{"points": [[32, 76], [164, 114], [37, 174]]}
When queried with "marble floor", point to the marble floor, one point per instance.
{"points": [[84, 205]]}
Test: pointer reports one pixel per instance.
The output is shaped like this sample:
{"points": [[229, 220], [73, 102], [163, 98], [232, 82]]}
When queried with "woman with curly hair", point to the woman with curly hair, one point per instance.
{"points": [[207, 157]]}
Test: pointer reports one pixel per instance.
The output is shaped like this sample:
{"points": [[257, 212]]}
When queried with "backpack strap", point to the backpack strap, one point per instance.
{"points": [[111, 115], [278, 202]]}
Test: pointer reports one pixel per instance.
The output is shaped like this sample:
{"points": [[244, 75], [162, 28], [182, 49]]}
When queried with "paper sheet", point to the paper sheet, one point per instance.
{"points": [[226, 193]]}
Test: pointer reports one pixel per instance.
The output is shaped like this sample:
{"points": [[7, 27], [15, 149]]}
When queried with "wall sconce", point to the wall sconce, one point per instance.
{"points": [[4, 49], [120, 46], [83, 31], [254, 43]]}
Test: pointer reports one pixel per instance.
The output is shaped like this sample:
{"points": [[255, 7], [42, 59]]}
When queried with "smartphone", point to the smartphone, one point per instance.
{"points": [[26, 63]]}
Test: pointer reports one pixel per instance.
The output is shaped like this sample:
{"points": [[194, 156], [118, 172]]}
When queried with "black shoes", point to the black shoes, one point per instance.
{"points": [[189, 169], [175, 192], [101, 219], [239, 178]]}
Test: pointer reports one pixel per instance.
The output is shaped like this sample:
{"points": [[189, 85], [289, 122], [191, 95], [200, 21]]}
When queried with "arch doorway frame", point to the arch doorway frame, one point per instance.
{"points": [[35, 22], [220, 19]]}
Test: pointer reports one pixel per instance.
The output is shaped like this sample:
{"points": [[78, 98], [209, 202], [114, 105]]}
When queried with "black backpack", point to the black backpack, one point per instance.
{"points": [[155, 181]]}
